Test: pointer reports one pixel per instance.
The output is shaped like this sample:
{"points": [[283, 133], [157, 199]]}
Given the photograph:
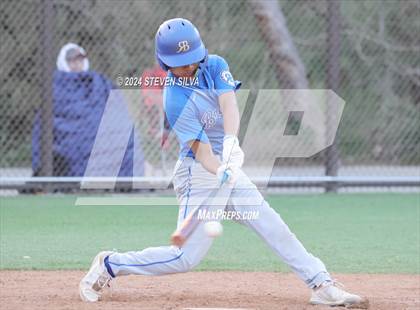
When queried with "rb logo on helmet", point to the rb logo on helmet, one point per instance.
{"points": [[183, 46]]}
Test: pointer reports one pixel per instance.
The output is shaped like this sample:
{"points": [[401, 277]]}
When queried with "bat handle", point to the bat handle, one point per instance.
{"points": [[225, 177]]}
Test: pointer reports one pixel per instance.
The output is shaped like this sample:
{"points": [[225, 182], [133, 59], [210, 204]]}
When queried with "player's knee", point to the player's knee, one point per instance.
{"points": [[189, 262], [184, 265]]}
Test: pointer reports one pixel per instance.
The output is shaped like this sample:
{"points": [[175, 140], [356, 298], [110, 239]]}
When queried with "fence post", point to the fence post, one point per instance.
{"points": [[47, 73], [332, 82]]}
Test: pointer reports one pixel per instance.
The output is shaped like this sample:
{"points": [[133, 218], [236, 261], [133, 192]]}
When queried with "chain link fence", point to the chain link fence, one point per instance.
{"points": [[378, 75]]}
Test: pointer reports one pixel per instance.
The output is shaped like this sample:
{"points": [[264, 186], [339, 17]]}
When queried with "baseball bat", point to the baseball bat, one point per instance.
{"points": [[181, 235], [188, 226]]}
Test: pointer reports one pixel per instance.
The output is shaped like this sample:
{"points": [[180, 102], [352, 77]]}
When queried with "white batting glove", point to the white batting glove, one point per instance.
{"points": [[232, 152]]}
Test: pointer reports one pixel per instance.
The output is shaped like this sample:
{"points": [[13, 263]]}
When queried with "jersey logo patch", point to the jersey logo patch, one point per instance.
{"points": [[183, 46], [227, 78], [210, 118]]}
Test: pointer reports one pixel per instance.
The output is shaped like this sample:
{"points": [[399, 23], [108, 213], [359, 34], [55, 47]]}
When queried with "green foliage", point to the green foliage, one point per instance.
{"points": [[379, 60], [378, 57]]}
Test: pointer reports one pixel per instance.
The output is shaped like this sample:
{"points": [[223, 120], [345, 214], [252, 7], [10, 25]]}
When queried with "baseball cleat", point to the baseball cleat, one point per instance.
{"points": [[332, 293], [96, 279]]}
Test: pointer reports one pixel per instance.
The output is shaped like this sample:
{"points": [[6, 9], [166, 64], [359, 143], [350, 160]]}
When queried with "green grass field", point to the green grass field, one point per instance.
{"points": [[351, 233]]}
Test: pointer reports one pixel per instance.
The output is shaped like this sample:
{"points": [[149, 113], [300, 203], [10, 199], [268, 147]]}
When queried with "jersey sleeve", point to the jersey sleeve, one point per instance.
{"points": [[183, 119], [223, 79]]}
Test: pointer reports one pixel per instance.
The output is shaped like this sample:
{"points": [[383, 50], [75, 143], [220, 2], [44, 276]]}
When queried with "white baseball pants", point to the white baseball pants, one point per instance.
{"points": [[192, 185]]}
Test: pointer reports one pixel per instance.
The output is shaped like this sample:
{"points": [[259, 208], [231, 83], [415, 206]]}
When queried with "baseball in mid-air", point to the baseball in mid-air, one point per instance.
{"points": [[213, 229]]}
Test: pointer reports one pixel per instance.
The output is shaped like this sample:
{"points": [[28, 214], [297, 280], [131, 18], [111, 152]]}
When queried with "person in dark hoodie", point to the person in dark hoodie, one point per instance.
{"points": [[79, 99]]}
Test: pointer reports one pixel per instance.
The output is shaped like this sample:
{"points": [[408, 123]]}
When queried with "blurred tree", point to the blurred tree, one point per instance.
{"points": [[290, 71]]}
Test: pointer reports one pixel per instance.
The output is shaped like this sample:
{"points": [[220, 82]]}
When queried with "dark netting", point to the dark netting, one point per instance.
{"points": [[378, 65]]}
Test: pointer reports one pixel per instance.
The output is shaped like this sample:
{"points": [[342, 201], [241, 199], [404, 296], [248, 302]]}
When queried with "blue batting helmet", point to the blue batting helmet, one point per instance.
{"points": [[178, 43]]}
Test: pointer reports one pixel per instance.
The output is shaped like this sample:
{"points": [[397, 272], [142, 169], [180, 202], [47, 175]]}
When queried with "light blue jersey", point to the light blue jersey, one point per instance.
{"points": [[193, 113], [193, 108]]}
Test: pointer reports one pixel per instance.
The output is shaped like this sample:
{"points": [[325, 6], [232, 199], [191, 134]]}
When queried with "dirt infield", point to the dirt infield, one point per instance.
{"points": [[251, 290]]}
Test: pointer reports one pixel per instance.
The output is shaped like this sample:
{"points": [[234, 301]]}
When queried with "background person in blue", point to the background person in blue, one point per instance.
{"points": [[205, 119], [79, 99]]}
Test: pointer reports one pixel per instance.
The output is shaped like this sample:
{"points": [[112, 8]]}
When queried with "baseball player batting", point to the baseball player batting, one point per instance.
{"points": [[205, 119]]}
